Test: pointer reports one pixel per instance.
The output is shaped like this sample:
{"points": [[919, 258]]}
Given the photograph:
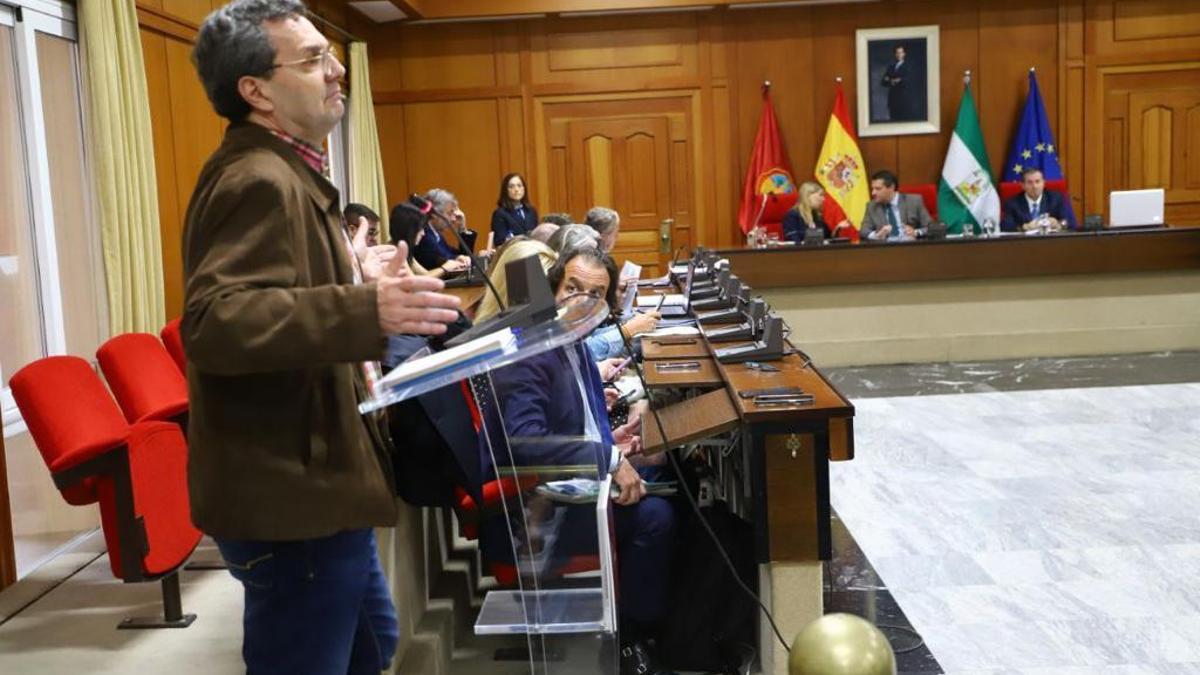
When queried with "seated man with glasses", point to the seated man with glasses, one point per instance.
{"points": [[554, 417]]}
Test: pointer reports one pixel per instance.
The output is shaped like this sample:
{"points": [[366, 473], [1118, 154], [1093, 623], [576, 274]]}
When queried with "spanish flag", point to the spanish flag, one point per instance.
{"points": [[842, 173]]}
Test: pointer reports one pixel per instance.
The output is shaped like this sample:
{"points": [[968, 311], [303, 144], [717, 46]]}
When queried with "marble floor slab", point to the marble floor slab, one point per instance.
{"points": [[1047, 531], [1016, 374]]}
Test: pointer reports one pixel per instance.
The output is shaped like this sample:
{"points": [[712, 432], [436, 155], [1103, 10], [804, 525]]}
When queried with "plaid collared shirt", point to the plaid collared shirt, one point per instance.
{"points": [[315, 157], [318, 160]]}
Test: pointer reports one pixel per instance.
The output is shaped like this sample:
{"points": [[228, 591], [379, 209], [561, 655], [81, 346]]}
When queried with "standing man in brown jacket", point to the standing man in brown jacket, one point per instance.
{"points": [[282, 333]]}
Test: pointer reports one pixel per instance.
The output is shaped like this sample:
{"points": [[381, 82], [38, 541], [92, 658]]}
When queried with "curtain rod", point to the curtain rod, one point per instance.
{"points": [[335, 27]]}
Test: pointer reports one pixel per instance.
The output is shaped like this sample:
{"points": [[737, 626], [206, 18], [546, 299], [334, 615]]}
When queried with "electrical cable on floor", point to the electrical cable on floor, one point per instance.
{"points": [[691, 499], [902, 629]]}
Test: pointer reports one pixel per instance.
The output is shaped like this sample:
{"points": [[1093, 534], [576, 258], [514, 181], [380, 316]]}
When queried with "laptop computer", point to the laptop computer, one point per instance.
{"points": [[1136, 208], [680, 311]]}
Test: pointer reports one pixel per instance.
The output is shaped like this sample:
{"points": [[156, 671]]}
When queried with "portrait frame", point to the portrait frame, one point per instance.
{"points": [[898, 97]]}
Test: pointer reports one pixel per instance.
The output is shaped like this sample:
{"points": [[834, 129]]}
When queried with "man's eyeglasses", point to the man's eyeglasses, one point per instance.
{"points": [[326, 58]]}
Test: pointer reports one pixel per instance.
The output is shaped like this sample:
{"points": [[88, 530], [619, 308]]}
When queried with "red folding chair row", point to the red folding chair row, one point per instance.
{"points": [[137, 473]]}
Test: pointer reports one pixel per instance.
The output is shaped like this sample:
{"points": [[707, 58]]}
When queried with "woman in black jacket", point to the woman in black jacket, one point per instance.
{"points": [[806, 214], [514, 215]]}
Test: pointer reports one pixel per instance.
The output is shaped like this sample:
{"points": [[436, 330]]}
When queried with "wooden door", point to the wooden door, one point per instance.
{"points": [[625, 163]]}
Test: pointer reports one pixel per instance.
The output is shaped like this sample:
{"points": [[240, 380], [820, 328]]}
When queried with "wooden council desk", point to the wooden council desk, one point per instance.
{"points": [[1101, 252], [786, 450]]}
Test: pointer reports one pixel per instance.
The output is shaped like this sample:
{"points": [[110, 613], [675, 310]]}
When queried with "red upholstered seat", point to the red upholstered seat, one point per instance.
{"points": [[776, 209], [143, 377], [173, 341], [70, 416], [138, 473], [158, 475], [929, 195]]}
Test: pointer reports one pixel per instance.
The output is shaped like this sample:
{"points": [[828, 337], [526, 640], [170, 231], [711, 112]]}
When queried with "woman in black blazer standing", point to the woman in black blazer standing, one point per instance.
{"points": [[514, 215]]}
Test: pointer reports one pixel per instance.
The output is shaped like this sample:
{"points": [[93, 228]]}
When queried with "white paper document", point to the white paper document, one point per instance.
{"points": [[475, 350], [652, 300]]}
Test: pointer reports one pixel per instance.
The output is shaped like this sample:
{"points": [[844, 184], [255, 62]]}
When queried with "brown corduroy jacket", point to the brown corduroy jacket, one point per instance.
{"points": [[275, 333]]}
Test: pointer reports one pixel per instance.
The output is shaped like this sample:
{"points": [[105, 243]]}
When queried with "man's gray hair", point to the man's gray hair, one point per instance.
{"points": [[571, 237], [602, 219], [439, 197], [232, 44]]}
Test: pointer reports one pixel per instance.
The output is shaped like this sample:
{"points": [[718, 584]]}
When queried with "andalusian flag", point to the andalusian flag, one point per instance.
{"points": [[966, 194], [842, 172]]}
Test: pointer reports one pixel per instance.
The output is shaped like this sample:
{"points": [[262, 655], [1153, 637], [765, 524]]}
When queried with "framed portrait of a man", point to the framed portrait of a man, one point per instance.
{"points": [[898, 81]]}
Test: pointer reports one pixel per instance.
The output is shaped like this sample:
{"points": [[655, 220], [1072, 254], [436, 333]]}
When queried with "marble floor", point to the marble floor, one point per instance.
{"points": [[1043, 531]]}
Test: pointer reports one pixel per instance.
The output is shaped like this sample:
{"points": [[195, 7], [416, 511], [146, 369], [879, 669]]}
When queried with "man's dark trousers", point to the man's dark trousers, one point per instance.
{"points": [[319, 606]]}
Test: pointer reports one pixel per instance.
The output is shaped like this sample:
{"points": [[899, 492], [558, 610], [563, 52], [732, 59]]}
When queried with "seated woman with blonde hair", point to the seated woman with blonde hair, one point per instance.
{"points": [[516, 248], [807, 214]]}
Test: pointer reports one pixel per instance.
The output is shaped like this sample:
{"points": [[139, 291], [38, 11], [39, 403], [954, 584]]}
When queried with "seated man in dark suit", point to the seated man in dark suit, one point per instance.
{"points": [[1025, 212], [434, 249], [892, 216], [554, 413]]}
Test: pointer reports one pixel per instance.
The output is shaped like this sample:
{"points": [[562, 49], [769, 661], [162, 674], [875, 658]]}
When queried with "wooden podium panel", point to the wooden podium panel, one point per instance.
{"points": [[696, 418], [704, 375], [794, 371]]}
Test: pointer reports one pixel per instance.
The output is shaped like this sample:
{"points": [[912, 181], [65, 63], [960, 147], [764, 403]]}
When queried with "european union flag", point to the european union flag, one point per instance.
{"points": [[1033, 146]]}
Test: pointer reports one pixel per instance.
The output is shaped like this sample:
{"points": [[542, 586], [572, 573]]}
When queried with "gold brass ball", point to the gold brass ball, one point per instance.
{"points": [[841, 644]]}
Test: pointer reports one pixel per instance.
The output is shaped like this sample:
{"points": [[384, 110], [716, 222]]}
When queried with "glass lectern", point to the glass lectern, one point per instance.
{"points": [[545, 524]]}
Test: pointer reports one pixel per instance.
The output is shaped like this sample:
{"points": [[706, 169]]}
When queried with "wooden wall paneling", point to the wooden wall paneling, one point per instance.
{"points": [[455, 145], [191, 11], [1133, 27], [714, 184], [583, 51], [389, 121], [197, 132], [1190, 146], [774, 45], [453, 55], [1027, 29], [158, 88], [919, 158]]}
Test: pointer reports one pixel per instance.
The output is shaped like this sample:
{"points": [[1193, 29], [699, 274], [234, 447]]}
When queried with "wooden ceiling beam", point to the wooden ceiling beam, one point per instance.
{"points": [[483, 9]]}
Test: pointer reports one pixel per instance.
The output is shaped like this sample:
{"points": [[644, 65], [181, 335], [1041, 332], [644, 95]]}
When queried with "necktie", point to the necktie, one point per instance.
{"points": [[893, 221], [1035, 209]]}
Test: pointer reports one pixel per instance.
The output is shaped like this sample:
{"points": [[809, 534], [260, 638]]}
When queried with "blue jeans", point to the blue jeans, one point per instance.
{"points": [[319, 606]]}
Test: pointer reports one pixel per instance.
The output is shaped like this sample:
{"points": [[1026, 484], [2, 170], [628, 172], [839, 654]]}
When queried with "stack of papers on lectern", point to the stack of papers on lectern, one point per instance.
{"points": [[415, 371]]}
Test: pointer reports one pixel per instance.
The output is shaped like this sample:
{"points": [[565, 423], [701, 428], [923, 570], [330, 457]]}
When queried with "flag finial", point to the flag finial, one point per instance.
{"points": [[1032, 69], [838, 79], [966, 77], [766, 84]]}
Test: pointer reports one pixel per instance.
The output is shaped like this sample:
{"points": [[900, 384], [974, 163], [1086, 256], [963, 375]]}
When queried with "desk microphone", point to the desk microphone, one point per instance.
{"points": [[750, 327], [712, 288], [769, 348], [726, 298]]}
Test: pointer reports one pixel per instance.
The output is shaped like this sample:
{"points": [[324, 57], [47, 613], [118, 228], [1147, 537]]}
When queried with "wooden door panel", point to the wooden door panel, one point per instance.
{"points": [[623, 163], [1163, 136]]}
